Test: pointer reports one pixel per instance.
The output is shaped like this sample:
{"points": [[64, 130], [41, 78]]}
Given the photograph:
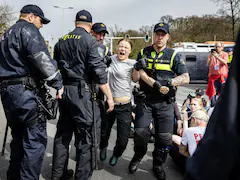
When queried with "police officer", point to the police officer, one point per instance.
{"points": [[25, 61], [164, 70], [230, 56], [99, 30], [81, 66]]}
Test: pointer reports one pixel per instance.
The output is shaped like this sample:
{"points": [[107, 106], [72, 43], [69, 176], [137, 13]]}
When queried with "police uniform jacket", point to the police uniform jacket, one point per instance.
{"points": [[24, 52], [161, 66], [78, 57]]}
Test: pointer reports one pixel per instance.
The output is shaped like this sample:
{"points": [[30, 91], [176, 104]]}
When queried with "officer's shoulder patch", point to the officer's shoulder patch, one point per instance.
{"points": [[101, 51]]}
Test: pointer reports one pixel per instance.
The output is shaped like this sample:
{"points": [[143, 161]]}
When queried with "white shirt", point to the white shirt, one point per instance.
{"points": [[191, 138]]}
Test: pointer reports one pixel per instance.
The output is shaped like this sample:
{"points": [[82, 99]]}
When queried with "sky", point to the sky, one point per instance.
{"points": [[127, 14]]}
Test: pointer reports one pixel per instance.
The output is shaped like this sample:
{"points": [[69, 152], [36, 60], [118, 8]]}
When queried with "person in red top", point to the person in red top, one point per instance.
{"points": [[218, 72]]}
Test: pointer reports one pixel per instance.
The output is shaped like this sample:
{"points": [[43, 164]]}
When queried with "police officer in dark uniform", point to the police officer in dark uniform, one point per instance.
{"points": [[99, 30], [165, 69], [81, 66], [24, 62]]}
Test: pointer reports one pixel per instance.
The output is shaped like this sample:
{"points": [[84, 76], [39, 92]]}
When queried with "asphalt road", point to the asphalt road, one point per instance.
{"points": [[105, 172]]}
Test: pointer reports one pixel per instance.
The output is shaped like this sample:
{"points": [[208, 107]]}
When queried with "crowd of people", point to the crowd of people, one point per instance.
{"points": [[196, 109], [95, 89]]}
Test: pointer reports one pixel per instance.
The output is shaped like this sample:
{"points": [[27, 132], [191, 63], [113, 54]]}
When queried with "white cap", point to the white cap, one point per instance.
{"points": [[201, 115]]}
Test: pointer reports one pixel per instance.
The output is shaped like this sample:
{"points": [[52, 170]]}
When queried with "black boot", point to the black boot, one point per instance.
{"points": [[151, 139], [159, 172], [133, 166], [67, 174]]}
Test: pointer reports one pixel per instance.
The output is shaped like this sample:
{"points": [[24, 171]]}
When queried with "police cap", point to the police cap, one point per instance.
{"points": [[36, 11], [99, 27], [162, 26], [84, 16]]}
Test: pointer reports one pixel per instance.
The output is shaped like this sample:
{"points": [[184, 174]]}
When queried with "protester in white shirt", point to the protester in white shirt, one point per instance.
{"points": [[194, 134]]}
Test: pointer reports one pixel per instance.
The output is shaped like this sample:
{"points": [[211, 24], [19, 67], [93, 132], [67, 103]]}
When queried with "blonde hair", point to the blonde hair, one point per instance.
{"points": [[200, 102]]}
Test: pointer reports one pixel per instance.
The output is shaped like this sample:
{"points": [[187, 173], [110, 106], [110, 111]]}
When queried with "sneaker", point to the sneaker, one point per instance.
{"points": [[113, 160], [67, 174], [103, 154], [159, 172]]}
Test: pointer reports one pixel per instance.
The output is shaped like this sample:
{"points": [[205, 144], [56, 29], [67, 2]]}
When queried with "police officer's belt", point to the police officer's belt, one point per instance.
{"points": [[83, 86], [71, 81], [13, 81]]}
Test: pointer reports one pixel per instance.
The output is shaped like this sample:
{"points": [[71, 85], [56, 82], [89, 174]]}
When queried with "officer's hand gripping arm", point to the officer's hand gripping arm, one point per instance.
{"points": [[140, 64], [107, 60], [136, 68], [153, 83]]}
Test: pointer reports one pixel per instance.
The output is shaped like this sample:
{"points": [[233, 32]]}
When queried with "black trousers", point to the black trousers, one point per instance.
{"points": [[28, 127], [76, 116], [123, 114], [162, 114]]}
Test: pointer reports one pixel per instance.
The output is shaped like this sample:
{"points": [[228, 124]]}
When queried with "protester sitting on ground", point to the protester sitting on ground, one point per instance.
{"points": [[186, 102], [178, 158], [194, 134], [195, 104], [199, 93]]}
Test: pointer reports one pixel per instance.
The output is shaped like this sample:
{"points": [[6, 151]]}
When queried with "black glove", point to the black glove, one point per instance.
{"points": [[141, 64], [107, 60]]}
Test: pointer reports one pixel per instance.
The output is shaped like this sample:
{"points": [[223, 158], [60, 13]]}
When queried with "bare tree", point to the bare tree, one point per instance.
{"points": [[167, 19], [230, 8], [115, 30], [145, 30], [6, 17]]}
